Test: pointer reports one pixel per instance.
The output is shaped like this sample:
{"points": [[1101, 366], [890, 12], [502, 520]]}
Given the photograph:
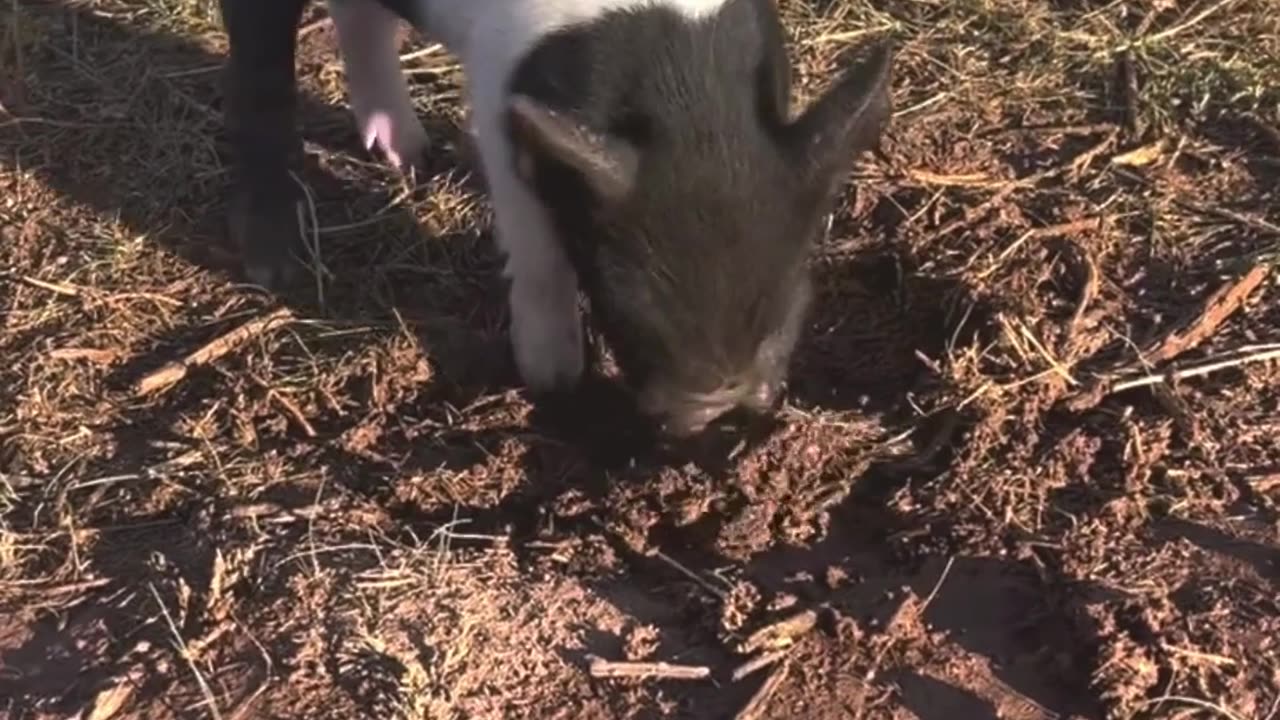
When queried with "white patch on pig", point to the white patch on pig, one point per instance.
{"points": [[379, 95], [491, 37]]}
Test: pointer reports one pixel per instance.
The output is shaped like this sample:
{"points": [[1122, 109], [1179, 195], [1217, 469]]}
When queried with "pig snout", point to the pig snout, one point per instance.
{"points": [[682, 413]]}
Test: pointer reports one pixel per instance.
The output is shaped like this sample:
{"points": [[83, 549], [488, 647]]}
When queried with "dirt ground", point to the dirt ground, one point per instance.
{"points": [[1027, 469]]}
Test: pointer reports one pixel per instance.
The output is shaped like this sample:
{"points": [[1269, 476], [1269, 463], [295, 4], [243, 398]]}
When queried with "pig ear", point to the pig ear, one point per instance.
{"points": [[848, 119], [606, 164]]}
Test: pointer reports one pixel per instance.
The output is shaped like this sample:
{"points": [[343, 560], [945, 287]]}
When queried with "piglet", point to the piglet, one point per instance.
{"points": [[644, 150]]}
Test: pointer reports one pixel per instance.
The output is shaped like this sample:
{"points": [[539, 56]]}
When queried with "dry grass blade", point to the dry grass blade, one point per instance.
{"points": [[53, 287], [181, 646], [1198, 655], [1213, 709]]}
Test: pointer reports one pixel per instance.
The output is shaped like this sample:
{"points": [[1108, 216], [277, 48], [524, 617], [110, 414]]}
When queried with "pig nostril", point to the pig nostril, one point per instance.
{"points": [[691, 420], [763, 396]]}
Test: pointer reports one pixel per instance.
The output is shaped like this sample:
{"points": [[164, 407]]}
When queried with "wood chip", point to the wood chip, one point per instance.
{"points": [[780, 634], [93, 355], [107, 703], [1138, 157]]}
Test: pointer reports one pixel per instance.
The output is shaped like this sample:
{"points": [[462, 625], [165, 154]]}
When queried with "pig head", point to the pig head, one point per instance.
{"points": [[641, 151]]}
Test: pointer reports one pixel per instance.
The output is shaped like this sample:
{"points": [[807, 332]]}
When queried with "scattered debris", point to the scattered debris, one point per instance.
{"points": [[1219, 306], [170, 374], [755, 706], [300, 506]]}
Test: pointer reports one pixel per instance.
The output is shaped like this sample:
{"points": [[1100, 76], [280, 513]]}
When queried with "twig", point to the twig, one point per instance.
{"points": [[292, 409], [1085, 129], [779, 634], [1217, 308], [936, 586], [313, 26], [175, 371], [980, 180], [1148, 20], [244, 704], [1195, 370], [88, 294], [1075, 165], [757, 662], [76, 587], [1090, 289], [654, 552], [756, 704], [602, 668], [701, 581], [93, 355], [1251, 221]]}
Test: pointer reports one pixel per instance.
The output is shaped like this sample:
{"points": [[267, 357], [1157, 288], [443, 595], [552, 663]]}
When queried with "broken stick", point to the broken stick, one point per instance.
{"points": [[173, 372], [1217, 308], [610, 668]]}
